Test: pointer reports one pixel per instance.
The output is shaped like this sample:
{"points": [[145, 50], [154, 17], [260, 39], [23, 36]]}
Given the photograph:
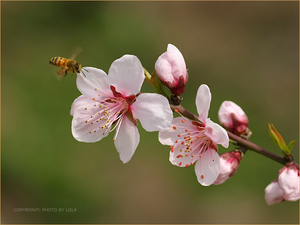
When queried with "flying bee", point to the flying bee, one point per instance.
{"points": [[67, 64]]}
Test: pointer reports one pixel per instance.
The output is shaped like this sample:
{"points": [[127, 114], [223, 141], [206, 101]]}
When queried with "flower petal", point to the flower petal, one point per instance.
{"points": [[169, 135], [273, 193], [164, 70], [127, 139], [79, 102], [207, 167], [94, 84], [288, 181], [153, 111], [85, 126], [126, 74], [178, 158], [176, 61], [203, 100], [216, 133]]}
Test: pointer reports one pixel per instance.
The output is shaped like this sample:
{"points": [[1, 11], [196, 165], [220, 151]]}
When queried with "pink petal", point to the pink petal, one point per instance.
{"points": [[273, 193], [169, 135], [127, 139], [126, 74], [207, 167], [84, 128], [178, 159], [203, 100], [153, 111], [288, 181], [176, 61], [164, 69], [225, 171], [79, 102], [216, 133], [94, 84]]}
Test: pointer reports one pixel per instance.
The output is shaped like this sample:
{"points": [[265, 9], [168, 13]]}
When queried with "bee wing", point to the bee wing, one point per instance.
{"points": [[59, 74], [76, 51]]}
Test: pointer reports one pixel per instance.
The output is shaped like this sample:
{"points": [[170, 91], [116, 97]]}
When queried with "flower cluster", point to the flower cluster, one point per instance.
{"points": [[114, 102]]}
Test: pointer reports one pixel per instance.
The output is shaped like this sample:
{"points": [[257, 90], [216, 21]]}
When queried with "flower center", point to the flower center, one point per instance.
{"points": [[192, 143], [109, 112]]}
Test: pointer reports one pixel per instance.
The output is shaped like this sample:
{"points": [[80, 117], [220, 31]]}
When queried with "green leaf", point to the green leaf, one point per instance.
{"points": [[290, 146], [277, 138]]}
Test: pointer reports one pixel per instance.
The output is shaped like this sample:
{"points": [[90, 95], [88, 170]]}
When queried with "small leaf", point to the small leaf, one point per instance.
{"points": [[290, 146], [277, 138]]}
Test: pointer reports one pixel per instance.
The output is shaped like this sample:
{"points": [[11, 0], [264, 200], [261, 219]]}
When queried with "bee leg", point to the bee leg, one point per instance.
{"points": [[66, 73]]}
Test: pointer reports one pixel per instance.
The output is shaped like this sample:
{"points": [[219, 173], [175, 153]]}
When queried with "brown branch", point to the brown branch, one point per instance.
{"points": [[240, 141]]}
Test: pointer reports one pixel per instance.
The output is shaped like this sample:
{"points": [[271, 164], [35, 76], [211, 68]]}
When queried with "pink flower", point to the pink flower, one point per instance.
{"points": [[114, 100], [233, 118], [171, 70], [286, 187], [229, 163], [193, 141]]}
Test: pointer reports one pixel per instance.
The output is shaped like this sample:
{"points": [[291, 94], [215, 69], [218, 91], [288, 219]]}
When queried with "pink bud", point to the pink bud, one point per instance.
{"points": [[229, 163], [288, 180], [233, 118], [286, 187], [171, 70]]}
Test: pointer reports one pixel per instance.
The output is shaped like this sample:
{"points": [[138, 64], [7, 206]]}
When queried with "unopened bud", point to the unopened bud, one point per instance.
{"points": [[229, 163], [171, 70], [233, 118], [286, 187]]}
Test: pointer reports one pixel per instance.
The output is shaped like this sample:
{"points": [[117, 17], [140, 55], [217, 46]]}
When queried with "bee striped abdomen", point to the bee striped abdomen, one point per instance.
{"points": [[58, 61]]}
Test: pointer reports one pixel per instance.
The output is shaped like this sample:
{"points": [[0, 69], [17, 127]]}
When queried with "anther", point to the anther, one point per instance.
{"points": [[172, 148]]}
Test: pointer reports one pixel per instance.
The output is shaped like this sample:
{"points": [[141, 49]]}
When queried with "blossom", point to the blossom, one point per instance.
{"points": [[193, 141], [229, 163], [114, 100], [233, 118], [171, 70], [286, 187]]}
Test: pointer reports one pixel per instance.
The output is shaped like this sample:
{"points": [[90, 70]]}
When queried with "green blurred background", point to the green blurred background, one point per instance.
{"points": [[246, 52]]}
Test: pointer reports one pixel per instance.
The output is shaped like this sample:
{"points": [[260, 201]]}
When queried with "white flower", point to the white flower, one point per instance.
{"points": [[193, 141], [115, 100]]}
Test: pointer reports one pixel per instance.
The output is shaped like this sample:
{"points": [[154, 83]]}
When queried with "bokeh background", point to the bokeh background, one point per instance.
{"points": [[246, 52]]}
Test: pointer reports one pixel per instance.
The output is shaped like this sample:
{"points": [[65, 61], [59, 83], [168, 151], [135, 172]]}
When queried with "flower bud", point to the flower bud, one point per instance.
{"points": [[171, 70], [286, 187], [288, 180], [229, 163], [233, 118]]}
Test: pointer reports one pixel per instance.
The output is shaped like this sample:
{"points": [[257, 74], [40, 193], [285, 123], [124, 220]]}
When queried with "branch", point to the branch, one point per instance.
{"points": [[242, 142]]}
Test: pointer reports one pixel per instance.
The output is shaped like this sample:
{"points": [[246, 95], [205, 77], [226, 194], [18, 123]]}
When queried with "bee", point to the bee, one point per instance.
{"points": [[67, 64]]}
